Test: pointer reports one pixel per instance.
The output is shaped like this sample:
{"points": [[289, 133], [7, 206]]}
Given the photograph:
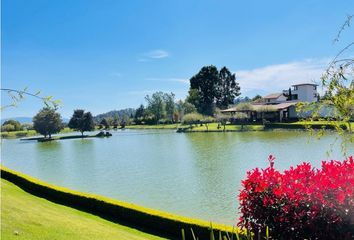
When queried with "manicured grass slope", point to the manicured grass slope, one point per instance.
{"points": [[24, 216]]}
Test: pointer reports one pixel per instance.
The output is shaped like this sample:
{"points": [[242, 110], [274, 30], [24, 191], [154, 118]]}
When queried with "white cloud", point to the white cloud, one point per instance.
{"points": [[275, 78], [154, 54], [178, 80]]}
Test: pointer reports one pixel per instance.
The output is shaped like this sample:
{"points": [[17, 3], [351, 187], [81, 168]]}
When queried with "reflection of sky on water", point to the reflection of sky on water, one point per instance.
{"points": [[197, 174]]}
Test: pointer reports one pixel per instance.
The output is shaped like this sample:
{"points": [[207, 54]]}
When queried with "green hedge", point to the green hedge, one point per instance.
{"points": [[148, 220]]}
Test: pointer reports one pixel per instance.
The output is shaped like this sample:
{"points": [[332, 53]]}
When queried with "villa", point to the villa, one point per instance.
{"points": [[279, 107]]}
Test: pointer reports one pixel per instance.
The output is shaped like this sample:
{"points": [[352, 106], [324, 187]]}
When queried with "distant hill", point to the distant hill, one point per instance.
{"points": [[23, 120], [120, 114]]}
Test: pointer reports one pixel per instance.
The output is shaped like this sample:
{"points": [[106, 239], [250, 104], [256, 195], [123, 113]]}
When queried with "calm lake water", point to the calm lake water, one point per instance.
{"points": [[196, 175]]}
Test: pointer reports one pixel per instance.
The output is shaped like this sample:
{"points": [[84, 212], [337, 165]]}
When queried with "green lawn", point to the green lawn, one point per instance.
{"points": [[27, 133], [24, 216]]}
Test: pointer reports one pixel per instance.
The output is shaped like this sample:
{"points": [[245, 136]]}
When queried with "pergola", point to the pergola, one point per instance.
{"points": [[260, 111]]}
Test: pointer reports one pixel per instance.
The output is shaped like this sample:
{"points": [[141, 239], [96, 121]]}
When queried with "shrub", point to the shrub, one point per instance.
{"points": [[192, 118], [14, 123], [302, 202], [7, 128]]}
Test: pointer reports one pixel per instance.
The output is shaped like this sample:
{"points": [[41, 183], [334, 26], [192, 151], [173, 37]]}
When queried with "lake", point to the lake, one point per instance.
{"points": [[193, 174]]}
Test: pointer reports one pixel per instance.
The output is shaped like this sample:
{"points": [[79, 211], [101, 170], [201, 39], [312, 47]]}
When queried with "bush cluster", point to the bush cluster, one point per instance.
{"points": [[300, 203]]}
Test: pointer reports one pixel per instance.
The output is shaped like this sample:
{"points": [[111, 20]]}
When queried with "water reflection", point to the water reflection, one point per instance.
{"points": [[196, 175]]}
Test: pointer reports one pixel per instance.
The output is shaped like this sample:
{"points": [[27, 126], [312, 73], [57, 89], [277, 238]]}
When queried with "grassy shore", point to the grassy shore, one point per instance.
{"points": [[158, 126], [27, 133], [215, 127], [24, 216]]}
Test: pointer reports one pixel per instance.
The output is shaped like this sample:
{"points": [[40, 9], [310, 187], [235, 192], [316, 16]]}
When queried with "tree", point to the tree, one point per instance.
{"points": [[16, 125], [27, 126], [7, 128], [81, 121], [228, 89], [139, 114], [104, 123], [338, 82], [170, 105], [204, 89], [222, 119], [47, 122], [18, 95], [210, 88], [206, 120], [256, 98], [115, 123], [192, 118], [193, 97], [184, 107], [156, 106]]}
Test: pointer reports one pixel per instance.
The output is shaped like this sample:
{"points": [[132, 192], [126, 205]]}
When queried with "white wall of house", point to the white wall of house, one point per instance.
{"points": [[305, 92]]}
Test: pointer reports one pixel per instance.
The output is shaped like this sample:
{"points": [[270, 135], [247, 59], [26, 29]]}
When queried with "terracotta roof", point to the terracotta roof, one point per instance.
{"points": [[273, 96]]}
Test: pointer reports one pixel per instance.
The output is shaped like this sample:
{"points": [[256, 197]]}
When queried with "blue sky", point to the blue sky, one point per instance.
{"points": [[108, 54]]}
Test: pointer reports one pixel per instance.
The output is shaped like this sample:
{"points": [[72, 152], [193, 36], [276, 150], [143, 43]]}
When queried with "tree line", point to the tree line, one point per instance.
{"points": [[210, 90]]}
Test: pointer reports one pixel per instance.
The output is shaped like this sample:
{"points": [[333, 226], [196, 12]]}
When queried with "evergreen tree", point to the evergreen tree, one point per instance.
{"points": [[204, 89], [81, 121], [228, 89]]}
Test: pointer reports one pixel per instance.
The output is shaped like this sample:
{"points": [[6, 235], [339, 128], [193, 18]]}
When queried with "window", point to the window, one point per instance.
{"points": [[314, 87], [295, 88]]}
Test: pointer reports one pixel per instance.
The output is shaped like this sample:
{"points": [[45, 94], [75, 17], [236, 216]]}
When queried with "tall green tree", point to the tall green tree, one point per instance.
{"points": [[156, 105], [139, 114], [193, 97], [47, 122], [170, 105], [204, 89], [82, 121], [228, 89]]}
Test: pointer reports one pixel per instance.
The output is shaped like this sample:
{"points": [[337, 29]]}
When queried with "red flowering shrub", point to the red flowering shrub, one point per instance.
{"points": [[302, 202]]}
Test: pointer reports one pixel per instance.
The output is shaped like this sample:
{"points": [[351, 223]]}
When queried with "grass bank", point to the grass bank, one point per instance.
{"points": [[24, 216], [150, 220], [27, 133]]}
